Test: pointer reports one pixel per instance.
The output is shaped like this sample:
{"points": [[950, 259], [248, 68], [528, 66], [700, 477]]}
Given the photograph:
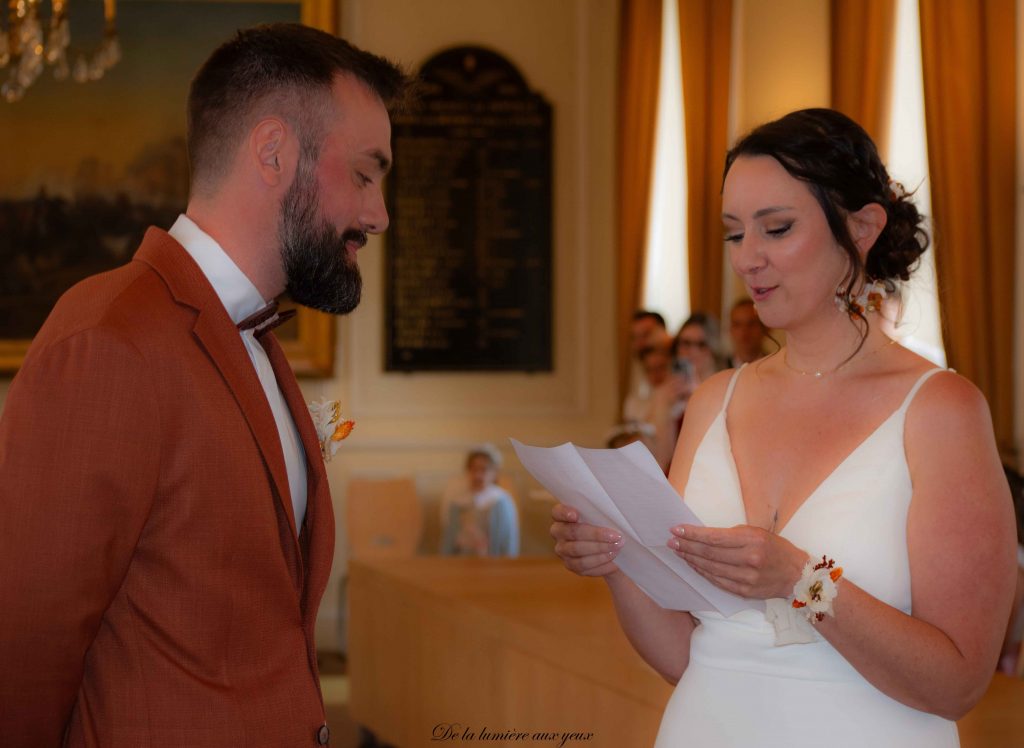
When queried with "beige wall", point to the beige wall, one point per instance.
{"points": [[781, 59]]}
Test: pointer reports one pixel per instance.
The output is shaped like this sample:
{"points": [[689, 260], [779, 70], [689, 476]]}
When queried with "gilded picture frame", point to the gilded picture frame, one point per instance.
{"points": [[111, 151]]}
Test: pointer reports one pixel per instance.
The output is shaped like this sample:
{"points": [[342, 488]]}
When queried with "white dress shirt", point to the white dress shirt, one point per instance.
{"points": [[241, 299]]}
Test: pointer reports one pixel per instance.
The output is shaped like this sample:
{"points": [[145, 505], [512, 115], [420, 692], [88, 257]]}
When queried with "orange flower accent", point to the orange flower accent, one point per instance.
{"points": [[343, 430]]}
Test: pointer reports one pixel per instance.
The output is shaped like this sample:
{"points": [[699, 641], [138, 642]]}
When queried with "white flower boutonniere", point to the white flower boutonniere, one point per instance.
{"points": [[331, 428]]}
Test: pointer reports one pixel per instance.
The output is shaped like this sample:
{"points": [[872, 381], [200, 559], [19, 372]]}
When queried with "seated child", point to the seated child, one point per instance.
{"points": [[478, 517]]}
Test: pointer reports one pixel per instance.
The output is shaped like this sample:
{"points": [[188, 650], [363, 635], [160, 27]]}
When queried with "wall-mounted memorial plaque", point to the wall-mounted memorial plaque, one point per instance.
{"points": [[469, 248]]}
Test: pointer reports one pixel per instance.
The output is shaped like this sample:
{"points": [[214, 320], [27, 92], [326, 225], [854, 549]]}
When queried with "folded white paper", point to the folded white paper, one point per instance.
{"points": [[625, 490]]}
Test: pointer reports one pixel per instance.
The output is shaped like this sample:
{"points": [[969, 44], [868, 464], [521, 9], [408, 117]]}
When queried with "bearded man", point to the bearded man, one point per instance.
{"points": [[166, 529]]}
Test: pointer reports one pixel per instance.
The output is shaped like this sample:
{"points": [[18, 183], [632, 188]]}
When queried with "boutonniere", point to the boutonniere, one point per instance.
{"points": [[331, 428]]}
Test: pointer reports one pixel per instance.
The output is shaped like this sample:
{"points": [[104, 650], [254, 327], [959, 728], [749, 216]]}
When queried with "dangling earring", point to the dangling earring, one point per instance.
{"points": [[870, 298]]}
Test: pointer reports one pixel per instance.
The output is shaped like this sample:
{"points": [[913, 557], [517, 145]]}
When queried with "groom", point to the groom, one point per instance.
{"points": [[166, 529]]}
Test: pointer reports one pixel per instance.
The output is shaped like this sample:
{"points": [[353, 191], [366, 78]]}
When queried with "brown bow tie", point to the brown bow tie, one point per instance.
{"points": [[266, 319]]}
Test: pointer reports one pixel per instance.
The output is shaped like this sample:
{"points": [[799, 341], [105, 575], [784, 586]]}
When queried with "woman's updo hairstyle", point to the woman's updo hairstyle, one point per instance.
{"points": [[840, 164]]}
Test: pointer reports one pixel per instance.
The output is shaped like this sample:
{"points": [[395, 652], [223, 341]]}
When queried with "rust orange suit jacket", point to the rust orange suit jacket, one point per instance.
{"points": [[153, 590]]}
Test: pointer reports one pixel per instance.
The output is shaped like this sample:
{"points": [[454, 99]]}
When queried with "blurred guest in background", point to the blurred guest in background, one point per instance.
{"points": [[478, 517], [646, 329], [698, 343], [696, 358], [656, 366], [746, 332]]}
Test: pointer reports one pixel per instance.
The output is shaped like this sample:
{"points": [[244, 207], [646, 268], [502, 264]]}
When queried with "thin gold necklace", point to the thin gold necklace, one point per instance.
{"points": [[822, 374]]}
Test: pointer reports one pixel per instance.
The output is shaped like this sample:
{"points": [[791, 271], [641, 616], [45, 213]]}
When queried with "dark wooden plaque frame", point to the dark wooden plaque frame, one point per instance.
{"points": [[468, 260]]}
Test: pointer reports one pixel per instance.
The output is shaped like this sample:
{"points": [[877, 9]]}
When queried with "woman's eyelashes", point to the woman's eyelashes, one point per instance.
{"points": [[775, 232]]}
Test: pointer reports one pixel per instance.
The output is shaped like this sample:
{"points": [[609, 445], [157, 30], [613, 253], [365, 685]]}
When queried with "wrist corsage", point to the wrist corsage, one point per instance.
{"points": [[331, 428], [816, 589]]}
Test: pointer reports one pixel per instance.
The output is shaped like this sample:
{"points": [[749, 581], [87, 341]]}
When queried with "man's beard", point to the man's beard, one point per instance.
{"points": [[316, 263]]}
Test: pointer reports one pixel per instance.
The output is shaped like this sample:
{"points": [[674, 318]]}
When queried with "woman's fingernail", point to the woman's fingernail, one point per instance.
{"points": [[612, 537], [673, 543]]}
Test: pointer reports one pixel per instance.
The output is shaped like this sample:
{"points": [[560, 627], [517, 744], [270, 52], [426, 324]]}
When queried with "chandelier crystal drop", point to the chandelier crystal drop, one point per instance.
{"points": [[26, 48]]}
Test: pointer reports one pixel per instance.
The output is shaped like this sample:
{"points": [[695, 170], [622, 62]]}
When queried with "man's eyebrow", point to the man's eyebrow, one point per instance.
{"points": [[382, 161]]}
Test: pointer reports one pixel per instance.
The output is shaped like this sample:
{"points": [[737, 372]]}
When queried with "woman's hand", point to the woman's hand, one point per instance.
{"points": [[584, 549], [747, 561]]}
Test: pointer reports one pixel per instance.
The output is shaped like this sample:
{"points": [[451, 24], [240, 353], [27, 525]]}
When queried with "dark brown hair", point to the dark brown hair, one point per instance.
{"points": [[285, 69]]}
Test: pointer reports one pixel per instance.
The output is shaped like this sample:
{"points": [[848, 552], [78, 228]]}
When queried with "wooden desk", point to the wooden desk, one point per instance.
{"points": [[482, 643], [998, 719], [476, 644]]}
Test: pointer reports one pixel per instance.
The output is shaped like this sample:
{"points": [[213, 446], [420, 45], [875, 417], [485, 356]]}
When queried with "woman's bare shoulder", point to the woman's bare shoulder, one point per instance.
{"points": [[711, 392], [949, 439], [949, 400]]}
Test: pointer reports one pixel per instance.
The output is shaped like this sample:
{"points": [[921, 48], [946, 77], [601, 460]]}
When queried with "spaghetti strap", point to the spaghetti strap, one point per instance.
{"points": [[917, 385], [732, 385]]}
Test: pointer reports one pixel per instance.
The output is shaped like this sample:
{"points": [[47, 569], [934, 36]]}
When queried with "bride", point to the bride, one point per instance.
{"points": [[844, 480]]}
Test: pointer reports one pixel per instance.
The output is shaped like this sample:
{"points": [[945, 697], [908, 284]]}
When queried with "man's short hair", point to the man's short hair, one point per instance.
{"points": [[284, 69], [640, 314]]}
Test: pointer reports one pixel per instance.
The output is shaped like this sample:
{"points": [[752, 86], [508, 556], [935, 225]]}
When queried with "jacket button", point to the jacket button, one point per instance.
{"points": [[323, 735]]}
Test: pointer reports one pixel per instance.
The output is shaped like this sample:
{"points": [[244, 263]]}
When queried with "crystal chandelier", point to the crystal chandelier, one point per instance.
{"points": [[25, 49]]}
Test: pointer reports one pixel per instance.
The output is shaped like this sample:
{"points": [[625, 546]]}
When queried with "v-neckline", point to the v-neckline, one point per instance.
{"points": [[814, 492]]}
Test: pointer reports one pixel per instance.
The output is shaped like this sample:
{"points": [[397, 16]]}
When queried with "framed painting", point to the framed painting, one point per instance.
{"points": [[87, 167]]}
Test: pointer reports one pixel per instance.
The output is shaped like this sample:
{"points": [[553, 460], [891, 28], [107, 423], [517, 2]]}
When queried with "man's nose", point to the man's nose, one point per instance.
{"points": [[375, 217]]}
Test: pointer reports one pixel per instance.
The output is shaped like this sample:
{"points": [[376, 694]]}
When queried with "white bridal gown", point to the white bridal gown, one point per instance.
{"points": [[742, 691]]}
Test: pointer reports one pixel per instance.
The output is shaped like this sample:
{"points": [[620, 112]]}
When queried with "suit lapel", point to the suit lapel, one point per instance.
{"points": [[318, 531], [219, 337]]}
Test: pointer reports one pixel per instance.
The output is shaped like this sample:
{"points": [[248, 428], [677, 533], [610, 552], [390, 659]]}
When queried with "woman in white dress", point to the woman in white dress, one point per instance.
{"points": [[842, 447]]}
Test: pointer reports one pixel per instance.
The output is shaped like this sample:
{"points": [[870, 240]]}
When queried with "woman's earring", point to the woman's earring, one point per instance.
{"points": [[870, 298]]}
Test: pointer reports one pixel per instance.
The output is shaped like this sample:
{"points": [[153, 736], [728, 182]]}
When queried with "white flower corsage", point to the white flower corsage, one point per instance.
{"points": [[816, 589], [331, 428]]}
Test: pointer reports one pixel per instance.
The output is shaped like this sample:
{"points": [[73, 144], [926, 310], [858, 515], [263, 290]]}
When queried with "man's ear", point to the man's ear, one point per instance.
{"points": [[865, 225], [267, 149]]}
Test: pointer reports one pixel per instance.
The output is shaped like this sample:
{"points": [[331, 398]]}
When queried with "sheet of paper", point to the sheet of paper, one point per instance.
{"points": [[624, 489], [563, 472]]}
